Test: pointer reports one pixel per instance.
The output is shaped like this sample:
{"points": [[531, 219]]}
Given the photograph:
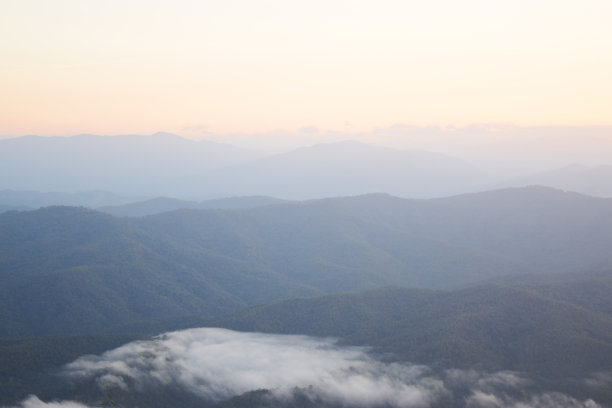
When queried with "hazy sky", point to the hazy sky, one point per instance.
{"points": [[191, 67]]}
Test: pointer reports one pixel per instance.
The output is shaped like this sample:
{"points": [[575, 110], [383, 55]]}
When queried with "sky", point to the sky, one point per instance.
{"points": [[199, 68]]}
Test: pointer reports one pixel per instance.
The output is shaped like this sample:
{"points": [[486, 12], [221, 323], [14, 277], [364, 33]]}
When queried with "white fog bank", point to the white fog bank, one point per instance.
{"points": [[216, 364]]}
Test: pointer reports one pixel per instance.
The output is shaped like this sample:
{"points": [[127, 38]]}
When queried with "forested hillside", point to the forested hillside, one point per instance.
{"points": [[165, 204], [494, 326], [73, 270], [531, 330]]}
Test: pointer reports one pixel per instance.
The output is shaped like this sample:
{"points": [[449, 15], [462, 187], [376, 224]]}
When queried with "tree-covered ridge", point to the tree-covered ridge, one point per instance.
{"points": [[164, 204], [74, 270], [530, 329], [494, 326]]}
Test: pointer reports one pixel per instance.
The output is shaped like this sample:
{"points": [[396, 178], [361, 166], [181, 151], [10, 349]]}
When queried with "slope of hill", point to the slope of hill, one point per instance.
{"points": [[5, 208], [350, 168], [380, 239], [164, 204], [36, 199], [547, 343], [71, 270], [137, 165], [493, 327], [595, 181], [168, 165]]}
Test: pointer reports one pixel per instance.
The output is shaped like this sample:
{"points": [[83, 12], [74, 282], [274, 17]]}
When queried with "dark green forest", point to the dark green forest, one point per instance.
{"points": [[517, 279]]}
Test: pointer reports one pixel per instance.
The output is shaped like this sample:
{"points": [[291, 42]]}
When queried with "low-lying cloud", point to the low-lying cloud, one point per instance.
{"points": [[216, 364]]}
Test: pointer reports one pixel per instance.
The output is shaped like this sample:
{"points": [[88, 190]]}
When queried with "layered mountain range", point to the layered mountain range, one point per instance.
{"points": [[97, 171], [499, 297], [68, 269]]}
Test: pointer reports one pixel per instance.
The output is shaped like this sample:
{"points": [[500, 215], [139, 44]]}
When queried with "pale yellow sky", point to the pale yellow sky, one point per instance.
{"points": [[140, 66]]}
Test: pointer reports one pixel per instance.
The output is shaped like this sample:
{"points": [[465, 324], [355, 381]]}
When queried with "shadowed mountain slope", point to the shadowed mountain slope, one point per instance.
{"points": [[493, 327], [165, 204], [73, 270]]}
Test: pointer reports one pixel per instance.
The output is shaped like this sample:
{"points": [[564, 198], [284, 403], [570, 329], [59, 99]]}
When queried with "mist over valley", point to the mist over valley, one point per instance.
{"points": [[305, 204], [496, 298]]}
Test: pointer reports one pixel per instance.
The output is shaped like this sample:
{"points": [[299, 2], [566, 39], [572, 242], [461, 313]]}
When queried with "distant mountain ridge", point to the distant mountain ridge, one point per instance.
{"points": [[36, 199], [73, 270], [129, 164], [594, 181], [352, 168], [163, 164], [165, 204], [166, 165], [76, 281], [5, 208]]}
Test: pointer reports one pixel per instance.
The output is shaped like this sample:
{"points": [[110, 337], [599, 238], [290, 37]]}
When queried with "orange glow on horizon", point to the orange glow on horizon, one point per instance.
{"points": [[141, 67]]}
